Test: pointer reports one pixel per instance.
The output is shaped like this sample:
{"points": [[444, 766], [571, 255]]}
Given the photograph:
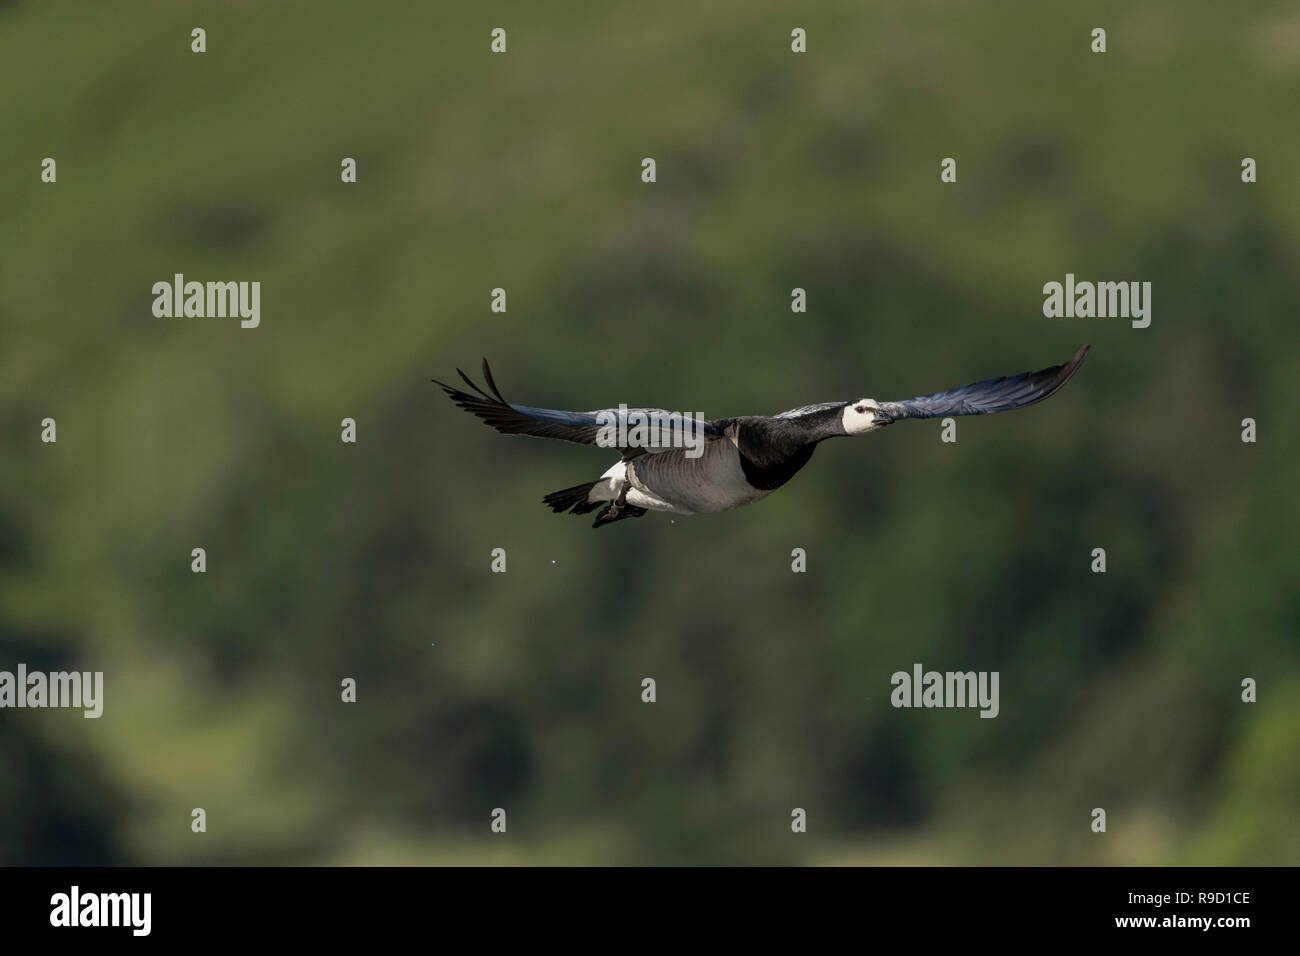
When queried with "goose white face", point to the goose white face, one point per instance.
{"points": [[860, 417]]}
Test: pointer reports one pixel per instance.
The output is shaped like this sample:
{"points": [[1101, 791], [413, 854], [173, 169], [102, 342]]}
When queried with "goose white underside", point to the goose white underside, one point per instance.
{"points": [[671, 482], [611, 485]]}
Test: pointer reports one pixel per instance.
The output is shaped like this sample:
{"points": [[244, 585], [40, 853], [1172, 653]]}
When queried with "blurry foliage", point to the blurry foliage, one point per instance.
{"points": [[522, 171]]}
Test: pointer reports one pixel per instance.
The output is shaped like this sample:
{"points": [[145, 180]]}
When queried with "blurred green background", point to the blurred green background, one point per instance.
{"points": [[775, 170]]}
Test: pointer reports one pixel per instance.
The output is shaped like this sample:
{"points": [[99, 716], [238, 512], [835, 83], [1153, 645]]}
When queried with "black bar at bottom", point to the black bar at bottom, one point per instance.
{"points": [[332, 906]]}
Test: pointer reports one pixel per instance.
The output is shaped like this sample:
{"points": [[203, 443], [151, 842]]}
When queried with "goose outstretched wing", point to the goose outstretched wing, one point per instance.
{"points": [[984, 398], [660, 429]]}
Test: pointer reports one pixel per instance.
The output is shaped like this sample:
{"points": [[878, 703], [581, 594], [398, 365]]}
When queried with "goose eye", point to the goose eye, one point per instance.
{"points": [[860, 409]]}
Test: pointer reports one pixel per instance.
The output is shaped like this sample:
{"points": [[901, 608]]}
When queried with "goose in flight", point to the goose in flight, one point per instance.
{"points": [[686, 466]]}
